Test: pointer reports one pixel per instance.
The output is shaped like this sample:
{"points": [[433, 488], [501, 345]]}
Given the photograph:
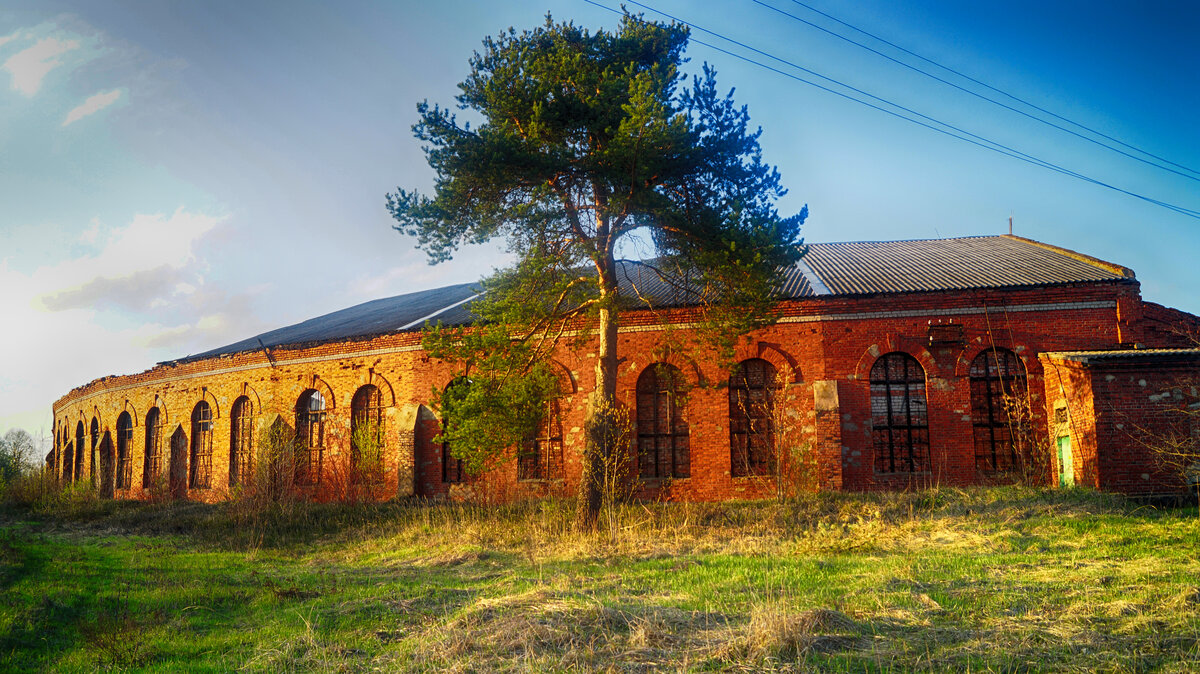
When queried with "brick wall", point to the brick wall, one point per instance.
{"points": [[1127, 414], [823, 349]]}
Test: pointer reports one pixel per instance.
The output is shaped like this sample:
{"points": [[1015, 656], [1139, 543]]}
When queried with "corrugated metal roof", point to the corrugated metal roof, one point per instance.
{"points": [[364, 320], [829, 269], [869, 267]]}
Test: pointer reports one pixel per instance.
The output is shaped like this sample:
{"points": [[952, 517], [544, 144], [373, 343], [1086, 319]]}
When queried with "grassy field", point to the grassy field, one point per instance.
{"points": [[977, 580]]}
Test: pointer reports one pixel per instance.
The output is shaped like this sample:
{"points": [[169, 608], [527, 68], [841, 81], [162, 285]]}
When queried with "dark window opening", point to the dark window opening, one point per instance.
{"points": [[93, 443], [540, 456], [200, 466], [367, 435], [899, 421], [998, 403], [662, 433], [452, 468], [241, 442], [152, 458], [79, 434], [752, 391], [68, 461], [124, 451], [310, 437]]}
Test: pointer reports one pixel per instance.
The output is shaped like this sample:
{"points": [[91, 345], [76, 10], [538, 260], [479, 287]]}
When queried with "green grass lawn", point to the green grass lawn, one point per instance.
{"points": [[998, 579]]}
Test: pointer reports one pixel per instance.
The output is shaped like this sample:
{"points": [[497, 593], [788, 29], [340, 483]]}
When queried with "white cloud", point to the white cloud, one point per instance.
{"points": [[93, 230], [28, 66], [9, 38], [93, 104], [99, 322], [146, 244]]}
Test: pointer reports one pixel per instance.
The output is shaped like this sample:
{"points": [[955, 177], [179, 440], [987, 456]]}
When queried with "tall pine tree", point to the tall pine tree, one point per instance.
{"points": [[587, 137]]}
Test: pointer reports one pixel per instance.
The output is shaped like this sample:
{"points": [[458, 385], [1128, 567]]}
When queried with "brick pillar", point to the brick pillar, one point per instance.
{"points": [[827, 436]]}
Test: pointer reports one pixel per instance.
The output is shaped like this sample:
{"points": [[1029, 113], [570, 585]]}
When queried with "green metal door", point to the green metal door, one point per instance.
{"points": [[1066, 473]]}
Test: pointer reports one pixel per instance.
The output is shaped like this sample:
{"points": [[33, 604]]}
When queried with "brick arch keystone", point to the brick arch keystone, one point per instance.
{"points": [[566, 382], [380, 382], [963, 367], [249, 392], [774, 354], [862, 370], [205, 394], [127, 406], [326, 390], [685, 364]]}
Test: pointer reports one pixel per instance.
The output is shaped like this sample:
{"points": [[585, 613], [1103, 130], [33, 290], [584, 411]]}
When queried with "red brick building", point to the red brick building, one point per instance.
{"points": [[893, 364]]}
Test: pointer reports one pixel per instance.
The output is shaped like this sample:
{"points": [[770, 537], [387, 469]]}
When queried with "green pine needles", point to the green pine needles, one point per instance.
{"points": [[586, 139]]}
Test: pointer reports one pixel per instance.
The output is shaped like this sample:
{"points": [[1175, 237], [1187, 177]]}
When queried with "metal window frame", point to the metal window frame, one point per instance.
{"points": [[152, 455], [540, 457], [901, 447], [751, 424], [124, 476], [985, 430], [662, 393], [241, 441], [310, 425], [200, 459]]}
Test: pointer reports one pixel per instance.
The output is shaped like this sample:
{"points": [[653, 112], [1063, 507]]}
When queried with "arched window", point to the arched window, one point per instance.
{"points": [[662, 434], [899, 422], [152, 457], [124, 451], [452, 468], [241, 441], [79, 449], [367, 437], [997, 392], [68, 457], [540, 457], [93, 443], [751, 418], [310, 436], [200, 465]]}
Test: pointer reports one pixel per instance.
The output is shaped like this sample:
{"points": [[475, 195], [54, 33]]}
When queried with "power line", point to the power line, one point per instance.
{"points": [[967, 136], [968, 78], [981, 96]]}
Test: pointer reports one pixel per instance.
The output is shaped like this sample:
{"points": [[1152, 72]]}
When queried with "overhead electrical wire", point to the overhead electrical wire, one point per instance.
{"points": [[992, 100], [953, 132], [965, 76]]}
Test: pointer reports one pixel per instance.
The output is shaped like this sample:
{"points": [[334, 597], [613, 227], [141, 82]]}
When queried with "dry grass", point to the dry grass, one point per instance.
{"points": [[1001, 579]]}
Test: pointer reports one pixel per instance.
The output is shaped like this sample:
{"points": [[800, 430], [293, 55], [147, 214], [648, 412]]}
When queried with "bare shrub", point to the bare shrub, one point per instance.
{"points": [[611, 429], [38, 490], [115, 636], [269, 487], [1031, 446]]}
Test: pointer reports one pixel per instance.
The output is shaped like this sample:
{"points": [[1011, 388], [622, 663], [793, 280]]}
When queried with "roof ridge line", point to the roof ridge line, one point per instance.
{"points": [[939, 238], [814, 280], [443, 310], [1113, 267]]}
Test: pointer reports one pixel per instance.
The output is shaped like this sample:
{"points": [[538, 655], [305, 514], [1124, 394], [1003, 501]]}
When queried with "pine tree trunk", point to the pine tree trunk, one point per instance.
{"points": [[600, 435]]}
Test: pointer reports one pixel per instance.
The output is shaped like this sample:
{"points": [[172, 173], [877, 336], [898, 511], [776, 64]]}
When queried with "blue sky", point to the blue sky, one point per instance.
{"points": [[179, 175]]}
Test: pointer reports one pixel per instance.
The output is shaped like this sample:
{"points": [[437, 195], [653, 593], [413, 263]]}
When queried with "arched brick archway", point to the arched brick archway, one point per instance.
{"points": [[178, 476], [107, 467]]}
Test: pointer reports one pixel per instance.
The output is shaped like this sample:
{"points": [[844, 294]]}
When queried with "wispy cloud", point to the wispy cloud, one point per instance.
{"points": [[141, 293], [137, 292], [93, 104], [138, 264], [29, 66], [9, 38]]}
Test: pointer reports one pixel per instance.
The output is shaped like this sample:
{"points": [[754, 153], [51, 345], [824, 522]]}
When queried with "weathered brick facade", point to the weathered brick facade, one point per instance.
{"points": [[824, 350], [1130, 417]]}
